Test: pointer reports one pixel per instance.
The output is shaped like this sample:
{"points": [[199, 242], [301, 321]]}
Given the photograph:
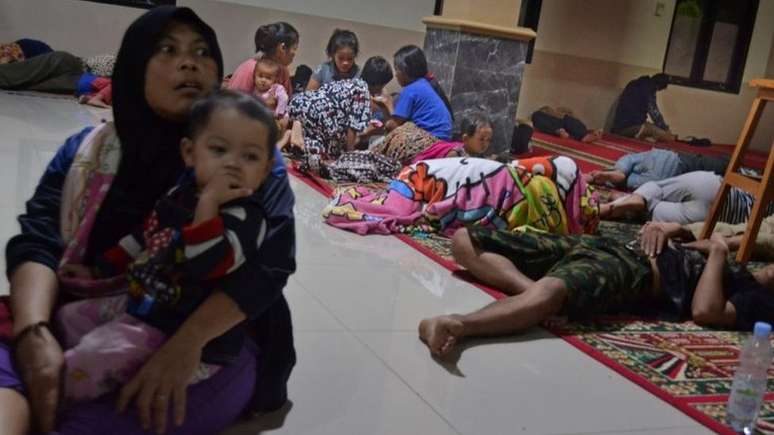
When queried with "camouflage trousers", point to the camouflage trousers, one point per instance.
{"points": [[602, 275]]}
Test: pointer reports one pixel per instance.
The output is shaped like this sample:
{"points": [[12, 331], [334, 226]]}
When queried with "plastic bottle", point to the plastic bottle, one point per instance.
{"points": [[750, 378]]}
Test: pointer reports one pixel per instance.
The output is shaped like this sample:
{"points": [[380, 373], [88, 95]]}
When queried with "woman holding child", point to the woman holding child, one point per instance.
{"points": [[102, 185]]}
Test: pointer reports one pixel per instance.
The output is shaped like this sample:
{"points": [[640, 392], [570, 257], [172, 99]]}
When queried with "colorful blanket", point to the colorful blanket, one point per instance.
{"points": [[442, 195]]}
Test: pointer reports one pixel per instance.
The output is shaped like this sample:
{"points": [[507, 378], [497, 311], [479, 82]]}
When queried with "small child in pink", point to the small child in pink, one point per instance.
{"points": [[273, 94]]}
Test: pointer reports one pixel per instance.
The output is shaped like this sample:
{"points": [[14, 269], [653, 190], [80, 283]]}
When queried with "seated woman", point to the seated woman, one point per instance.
{"points": [[684, 199], [421, 102], [582, 276], [168, 59], [561, 122], [278, 42], [442, 195], [634, 170]]}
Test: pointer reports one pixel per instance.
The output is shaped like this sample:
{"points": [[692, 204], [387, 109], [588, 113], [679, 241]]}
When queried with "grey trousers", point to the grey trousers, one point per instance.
{"points": [[683, 199], [56, 72]]}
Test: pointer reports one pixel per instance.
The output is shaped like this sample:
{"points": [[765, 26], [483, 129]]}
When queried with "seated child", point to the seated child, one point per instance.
{"points": [[475, 137], [203, 230], [342, 50], [268, 89]]}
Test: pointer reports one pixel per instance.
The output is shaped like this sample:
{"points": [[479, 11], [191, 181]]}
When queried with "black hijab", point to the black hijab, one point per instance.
{"points": [[150, 145]]}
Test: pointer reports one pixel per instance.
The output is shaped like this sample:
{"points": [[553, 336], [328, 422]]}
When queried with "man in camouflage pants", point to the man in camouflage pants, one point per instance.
{"points": [[545, 274], [582, 275]]}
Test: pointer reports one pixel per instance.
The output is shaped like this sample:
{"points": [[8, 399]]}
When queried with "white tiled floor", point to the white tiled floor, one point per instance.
{"points": [[356, 302]]}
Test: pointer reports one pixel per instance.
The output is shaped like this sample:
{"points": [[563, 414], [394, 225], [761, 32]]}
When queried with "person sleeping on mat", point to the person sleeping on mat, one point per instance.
{"points": [[684, 199], [581, 276], [634, 170], [561, 122]]}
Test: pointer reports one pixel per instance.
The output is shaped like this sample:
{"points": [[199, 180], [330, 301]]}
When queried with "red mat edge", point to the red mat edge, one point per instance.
{"points": [[681, 405]]}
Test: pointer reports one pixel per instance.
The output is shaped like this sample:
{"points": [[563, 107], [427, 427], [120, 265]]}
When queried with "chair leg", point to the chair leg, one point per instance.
{"points": [[758, 105]]}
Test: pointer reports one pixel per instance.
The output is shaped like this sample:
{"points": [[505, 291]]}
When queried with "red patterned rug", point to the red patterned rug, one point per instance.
{"points": [[687, 366]]}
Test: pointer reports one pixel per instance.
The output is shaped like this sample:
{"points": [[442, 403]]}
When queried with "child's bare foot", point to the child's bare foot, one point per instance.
{"points": [[563, 133], [440, 334]]}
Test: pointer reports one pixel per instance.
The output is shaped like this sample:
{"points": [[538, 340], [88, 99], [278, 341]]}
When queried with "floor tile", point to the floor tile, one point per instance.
{"points": [[532, 384], [340, 387]]}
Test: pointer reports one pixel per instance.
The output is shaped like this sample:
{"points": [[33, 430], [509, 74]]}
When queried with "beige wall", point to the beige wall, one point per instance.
{"points": [[401, 14], [587, 51], [497, 12], [82, 28], [235, 25], [86, 28]]}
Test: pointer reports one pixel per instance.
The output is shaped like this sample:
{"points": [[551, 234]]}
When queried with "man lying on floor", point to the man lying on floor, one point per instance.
{"points": [[684, 199], [581, 276], [634, 170]]}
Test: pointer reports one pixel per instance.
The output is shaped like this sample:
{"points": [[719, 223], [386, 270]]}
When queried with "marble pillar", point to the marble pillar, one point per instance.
{"points": [[479, 73]]}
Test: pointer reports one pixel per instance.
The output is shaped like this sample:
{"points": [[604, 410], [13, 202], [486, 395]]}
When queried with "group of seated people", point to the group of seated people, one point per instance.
{"points": [[152, 257]]}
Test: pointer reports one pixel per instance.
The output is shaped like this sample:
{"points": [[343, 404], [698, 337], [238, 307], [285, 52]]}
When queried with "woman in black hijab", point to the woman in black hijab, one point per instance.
{"points": [[168, 58]]}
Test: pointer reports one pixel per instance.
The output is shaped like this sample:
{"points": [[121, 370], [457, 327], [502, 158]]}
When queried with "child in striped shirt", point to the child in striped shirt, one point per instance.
{"points": [[205, 228]]}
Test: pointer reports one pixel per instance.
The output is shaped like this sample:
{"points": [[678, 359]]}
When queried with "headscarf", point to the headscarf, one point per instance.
{"points": [[150, 156]]}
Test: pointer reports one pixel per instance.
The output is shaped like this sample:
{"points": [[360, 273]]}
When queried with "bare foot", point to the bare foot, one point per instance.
{"points": [[440, 334], [563, 133]]}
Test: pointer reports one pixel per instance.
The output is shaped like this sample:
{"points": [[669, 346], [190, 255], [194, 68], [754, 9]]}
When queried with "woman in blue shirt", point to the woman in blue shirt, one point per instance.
{"points": [[422, 101]]}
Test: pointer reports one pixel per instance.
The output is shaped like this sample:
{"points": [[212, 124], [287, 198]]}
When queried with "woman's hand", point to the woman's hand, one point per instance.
{"points": [[40, 361], [162, 381]]}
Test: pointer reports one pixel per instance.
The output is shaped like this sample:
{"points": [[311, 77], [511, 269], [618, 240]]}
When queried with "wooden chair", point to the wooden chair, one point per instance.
{"points": [[763, 190]]}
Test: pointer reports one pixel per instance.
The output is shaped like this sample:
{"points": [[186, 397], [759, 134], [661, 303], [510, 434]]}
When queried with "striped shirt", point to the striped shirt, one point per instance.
{"points": [[738, 207]]}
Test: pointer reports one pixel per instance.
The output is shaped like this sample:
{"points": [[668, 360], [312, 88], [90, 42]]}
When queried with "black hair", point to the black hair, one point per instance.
{"points": [[376, 71], [661, 80], [471, 123], [342, 39], [246, 104], [411, 61], [301, 78], [150, 153], [270, 36]]}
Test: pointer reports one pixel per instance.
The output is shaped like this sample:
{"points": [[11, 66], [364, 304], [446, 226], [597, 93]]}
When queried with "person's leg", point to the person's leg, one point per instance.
{"points": [[39, 69], [682, 199], [547, 124], [509, 261], [541, 300], [493, 269], [212, 405], [700, 162], [14, 413], [575, 127], [14, 408], [631, 131], [650, 131]]}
